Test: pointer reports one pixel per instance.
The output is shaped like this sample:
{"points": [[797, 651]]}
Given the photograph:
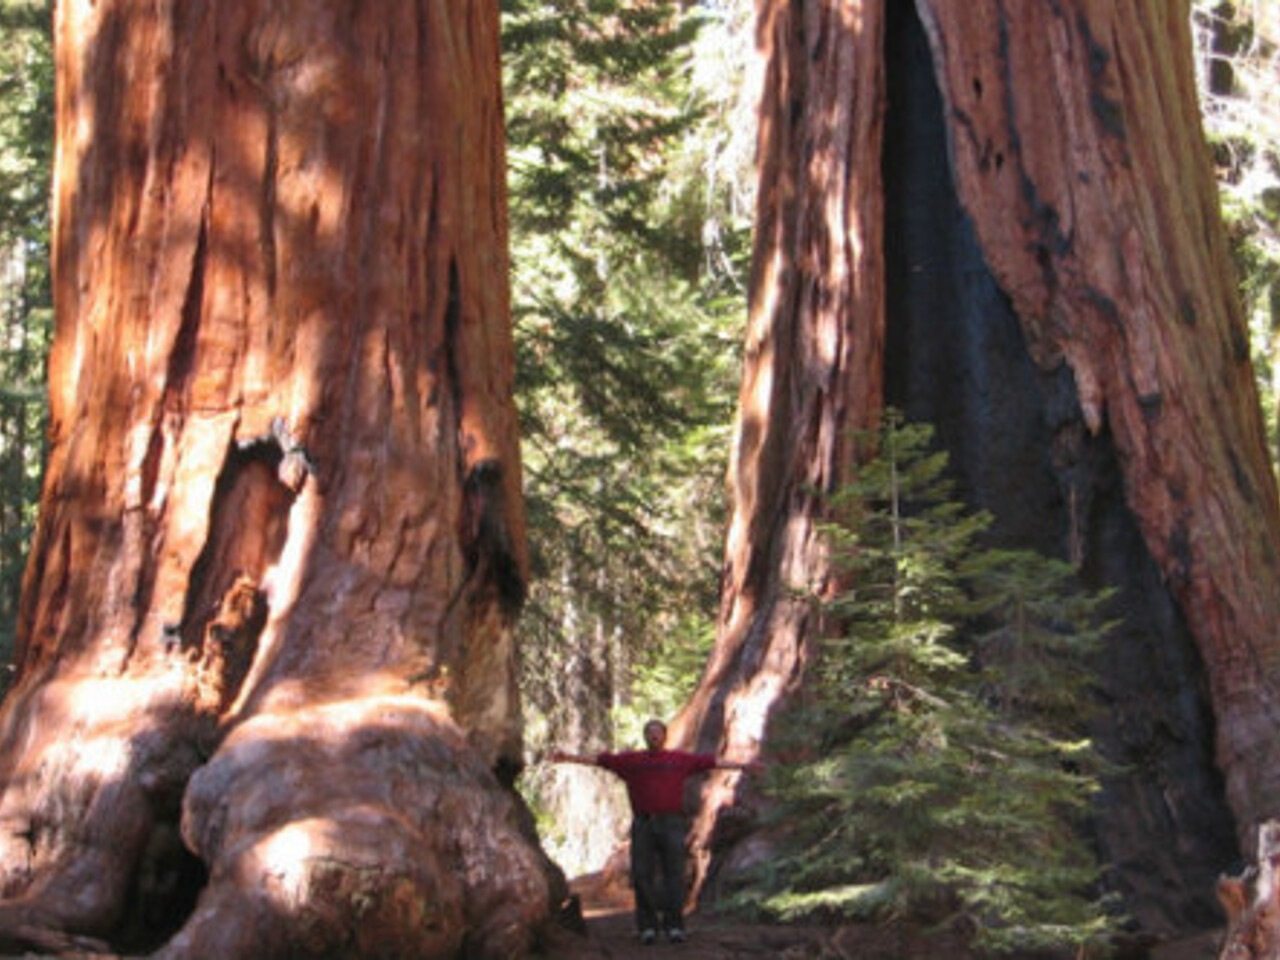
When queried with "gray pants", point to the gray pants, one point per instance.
{"points": [[657, 869]]}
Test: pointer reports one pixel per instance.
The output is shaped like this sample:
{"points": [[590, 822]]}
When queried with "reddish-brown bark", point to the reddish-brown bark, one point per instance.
{"points": [[813, 365], [1079, 155], [281, 541], [1077, 152]]}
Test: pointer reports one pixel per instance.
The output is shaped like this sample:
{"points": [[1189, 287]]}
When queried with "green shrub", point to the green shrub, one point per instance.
{"points": [[941, 768]]}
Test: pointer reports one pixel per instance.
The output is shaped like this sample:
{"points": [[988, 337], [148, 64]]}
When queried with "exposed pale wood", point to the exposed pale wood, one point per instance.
{"points": [[1252, 902]]}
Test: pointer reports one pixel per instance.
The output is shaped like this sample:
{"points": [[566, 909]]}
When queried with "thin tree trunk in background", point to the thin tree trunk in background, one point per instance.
{"points": [[1077, 152], [281, 542]]}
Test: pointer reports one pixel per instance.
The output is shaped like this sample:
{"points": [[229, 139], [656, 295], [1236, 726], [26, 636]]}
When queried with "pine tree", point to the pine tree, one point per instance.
{"points": [[627, 344], [947, 775], [626, 338]]}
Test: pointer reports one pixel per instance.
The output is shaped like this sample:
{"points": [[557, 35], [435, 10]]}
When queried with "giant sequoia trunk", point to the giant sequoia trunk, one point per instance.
{"points": [[265, 699], [1002, 217]]}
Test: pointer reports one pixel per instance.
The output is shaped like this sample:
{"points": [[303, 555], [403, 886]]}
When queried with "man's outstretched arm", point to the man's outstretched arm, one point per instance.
{"points": [[754, 766], [559, 756]]}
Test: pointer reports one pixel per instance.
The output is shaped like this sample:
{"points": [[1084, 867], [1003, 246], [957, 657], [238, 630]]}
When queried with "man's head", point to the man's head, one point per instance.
{"points": [[655, 734]]}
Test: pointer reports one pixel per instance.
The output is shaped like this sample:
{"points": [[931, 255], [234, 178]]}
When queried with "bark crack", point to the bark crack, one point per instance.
{"points": [[491, 568], [182, 356], [172, 409], [270, 172]]}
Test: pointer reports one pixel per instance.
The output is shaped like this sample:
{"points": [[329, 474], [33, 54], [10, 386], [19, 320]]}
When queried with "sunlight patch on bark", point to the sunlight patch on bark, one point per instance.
{"points": [[285, 853], [282, 584], [89, 727], [747, 714]]}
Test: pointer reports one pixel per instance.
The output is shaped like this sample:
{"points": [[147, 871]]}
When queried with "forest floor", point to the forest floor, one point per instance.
{"points": [[610, 935]]}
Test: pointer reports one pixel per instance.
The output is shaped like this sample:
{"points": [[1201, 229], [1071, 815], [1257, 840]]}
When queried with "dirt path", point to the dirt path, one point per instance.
{"points": [[611, 935]]}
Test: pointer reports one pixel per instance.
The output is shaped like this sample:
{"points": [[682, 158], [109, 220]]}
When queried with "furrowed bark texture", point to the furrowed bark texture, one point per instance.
{"points": [[1078, 153], [813, 372], [281, 541], [1020, 447], [1061, 304]]}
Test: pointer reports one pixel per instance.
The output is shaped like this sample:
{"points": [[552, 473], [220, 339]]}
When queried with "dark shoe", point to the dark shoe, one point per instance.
{"points": [[677, 935], [647, 937]]}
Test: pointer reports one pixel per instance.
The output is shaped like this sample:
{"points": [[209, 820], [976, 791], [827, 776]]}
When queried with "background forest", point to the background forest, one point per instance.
{"points": [[630, 132]]}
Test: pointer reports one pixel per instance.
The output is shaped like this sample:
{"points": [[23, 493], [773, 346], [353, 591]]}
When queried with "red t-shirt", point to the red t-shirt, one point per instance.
{"points": [[655, 779]]}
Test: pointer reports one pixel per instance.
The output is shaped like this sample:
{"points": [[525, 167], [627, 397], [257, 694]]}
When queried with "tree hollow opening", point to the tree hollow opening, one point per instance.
{"points": [[226, 607], [956, 357]]}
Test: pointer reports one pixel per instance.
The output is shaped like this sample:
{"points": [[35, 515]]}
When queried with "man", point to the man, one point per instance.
{"points": [[655, 780]]}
